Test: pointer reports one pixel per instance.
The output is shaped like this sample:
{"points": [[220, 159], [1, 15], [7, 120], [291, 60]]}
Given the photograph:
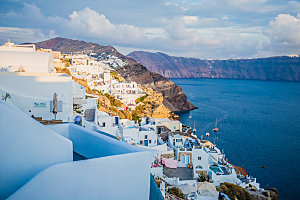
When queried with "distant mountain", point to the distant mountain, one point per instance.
{"points": [[280, 68], [75, 46], [174, 98]]}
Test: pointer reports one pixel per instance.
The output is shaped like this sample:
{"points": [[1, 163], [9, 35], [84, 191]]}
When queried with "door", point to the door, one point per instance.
{"points": [[146, 142]]}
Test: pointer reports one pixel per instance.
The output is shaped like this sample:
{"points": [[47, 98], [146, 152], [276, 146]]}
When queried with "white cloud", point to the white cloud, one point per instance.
{"points": [[190, 20], [90, 23], [188, 35], [285, 35], [20, 35]]}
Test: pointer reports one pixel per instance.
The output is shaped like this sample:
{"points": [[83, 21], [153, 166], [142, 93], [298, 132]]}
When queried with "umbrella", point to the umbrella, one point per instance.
{"points": [[54, 110]]}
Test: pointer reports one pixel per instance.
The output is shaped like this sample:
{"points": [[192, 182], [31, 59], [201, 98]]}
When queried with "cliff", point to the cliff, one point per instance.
{"points": [[173, 97], [280, 68]]}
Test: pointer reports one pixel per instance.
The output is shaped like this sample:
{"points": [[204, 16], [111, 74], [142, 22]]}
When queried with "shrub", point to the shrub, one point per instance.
{"points": [[126, 114], [234, 191], [141, 99], [99, 92], [6, 96], [113, 100], [136, 118], [114, 109], [203, 178], [176, 191]]}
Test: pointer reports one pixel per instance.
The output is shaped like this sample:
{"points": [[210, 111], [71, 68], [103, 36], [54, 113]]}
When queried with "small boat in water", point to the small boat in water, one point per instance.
{"points": [[216, 129], [207, 134], [194, 130]]}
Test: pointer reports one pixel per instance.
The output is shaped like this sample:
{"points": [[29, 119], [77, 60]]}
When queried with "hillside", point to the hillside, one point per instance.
{"points": [[173, 97], [280, 68]]}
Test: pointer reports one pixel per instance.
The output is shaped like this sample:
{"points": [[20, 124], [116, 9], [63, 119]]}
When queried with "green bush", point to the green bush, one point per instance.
{"points": [[203, 178], [176, 191], [99, 92], [136, 118], [113, 100], [126, 114], [141, 99], [234, 191]]}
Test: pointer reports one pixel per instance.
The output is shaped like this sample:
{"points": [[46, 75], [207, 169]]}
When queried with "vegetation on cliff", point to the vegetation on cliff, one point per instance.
{"points": [[176, 191], [149, 105], [234, 191]]}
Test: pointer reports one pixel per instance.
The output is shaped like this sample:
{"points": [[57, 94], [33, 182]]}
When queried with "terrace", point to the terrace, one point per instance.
{"points": [[67, 161], [183, 173]]}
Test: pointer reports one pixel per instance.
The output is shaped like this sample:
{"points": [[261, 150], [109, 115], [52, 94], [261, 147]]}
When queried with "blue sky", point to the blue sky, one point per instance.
{"points": [[193, 28]]}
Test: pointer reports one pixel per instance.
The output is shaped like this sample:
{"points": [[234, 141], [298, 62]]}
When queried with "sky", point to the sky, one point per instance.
{"points": [[212, 29]]}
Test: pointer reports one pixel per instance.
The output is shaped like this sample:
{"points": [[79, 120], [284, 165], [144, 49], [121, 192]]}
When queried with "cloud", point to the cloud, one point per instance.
{"points": [[285, 33], [21, 35], [190, 20], [89, 23], [184, 34]]}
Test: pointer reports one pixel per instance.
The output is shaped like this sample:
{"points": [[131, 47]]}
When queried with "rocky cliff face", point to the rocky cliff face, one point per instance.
{"points": [[282, 68], [174, 98]]}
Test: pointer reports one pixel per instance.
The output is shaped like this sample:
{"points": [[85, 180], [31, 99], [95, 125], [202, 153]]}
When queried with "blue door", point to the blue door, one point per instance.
{"points": [[146, 142]]}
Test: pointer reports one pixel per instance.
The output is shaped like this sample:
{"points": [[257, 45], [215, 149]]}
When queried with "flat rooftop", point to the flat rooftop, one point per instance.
{"points": [[183, 173]]}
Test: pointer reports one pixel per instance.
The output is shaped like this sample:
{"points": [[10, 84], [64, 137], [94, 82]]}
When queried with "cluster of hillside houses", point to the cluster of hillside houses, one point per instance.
{"points": [[50, 151]]}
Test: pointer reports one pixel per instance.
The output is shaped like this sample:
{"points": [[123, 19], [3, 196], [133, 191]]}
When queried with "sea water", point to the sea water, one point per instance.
{"points": [[259, 126]]}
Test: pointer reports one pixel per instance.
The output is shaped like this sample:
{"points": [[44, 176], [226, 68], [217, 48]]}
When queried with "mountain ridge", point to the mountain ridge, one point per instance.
{"points": [[277, 68]]}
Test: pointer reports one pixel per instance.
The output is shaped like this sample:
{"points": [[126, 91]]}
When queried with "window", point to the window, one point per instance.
{"points": [[141, 141], [149, 141], [199, 157], [146, 136], [199, 167]]}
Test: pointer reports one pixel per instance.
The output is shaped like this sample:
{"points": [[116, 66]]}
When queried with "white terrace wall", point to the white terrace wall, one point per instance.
{"points": [[26, 148], [123, 177], [34, 91]]}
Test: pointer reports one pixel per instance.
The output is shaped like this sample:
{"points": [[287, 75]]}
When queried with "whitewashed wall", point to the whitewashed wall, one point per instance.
{"points": [[123, 177], [34, 91], [26, 148]]}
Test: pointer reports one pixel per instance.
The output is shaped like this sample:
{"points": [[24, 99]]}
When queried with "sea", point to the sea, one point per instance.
{"points": [[259, 126]]}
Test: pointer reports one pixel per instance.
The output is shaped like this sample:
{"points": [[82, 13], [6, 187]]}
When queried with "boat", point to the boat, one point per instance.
{"points": [[216, 129], [207, 134], [194, 130]]}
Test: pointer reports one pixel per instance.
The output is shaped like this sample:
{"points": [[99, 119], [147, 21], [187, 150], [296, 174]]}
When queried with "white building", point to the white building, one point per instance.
{"points": [[24, 58], [9, 46], [33, 93], [15, 61], [135, 135], [127, 92], [108, 124], [171, 125]]}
